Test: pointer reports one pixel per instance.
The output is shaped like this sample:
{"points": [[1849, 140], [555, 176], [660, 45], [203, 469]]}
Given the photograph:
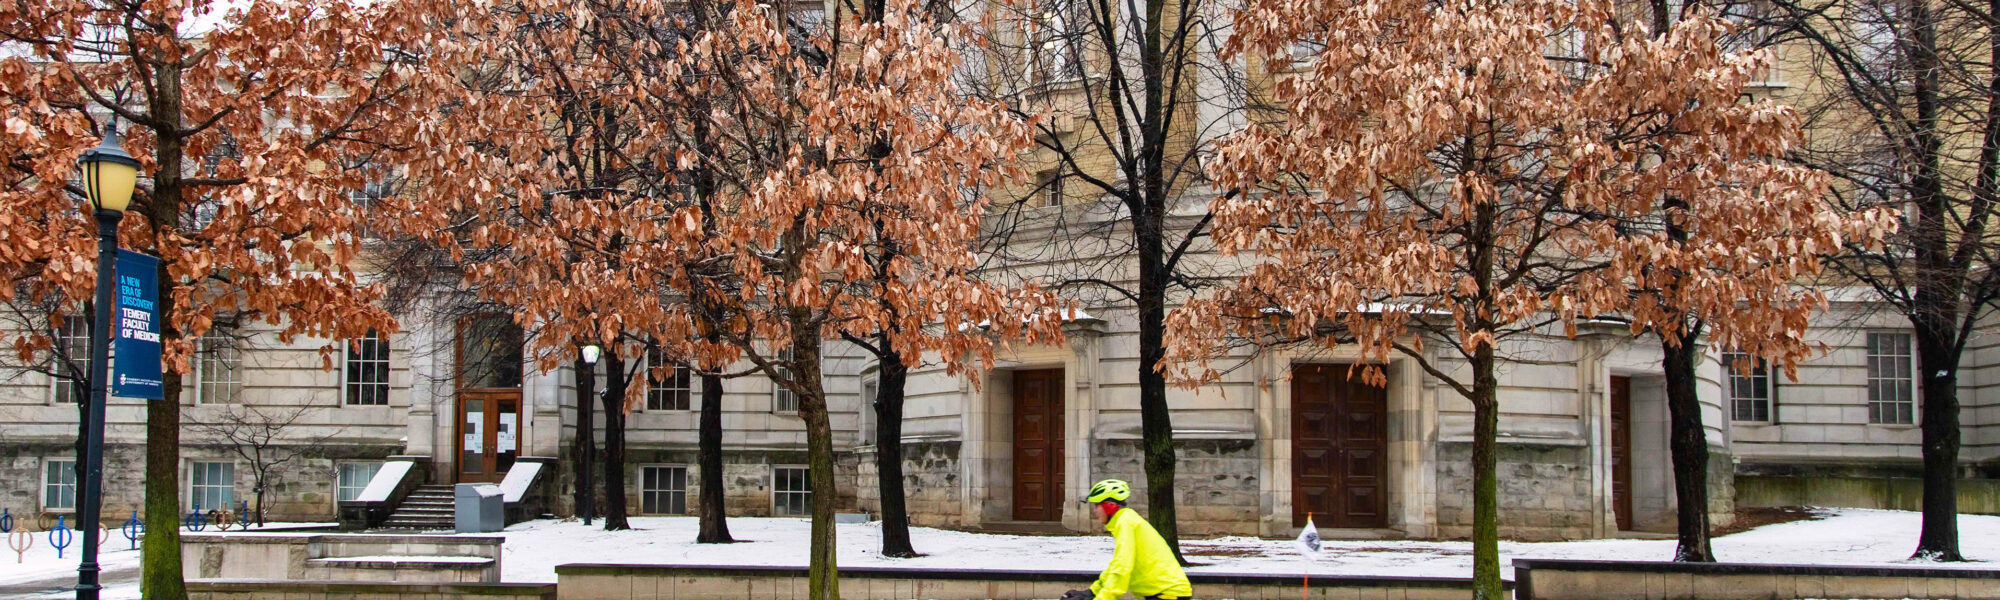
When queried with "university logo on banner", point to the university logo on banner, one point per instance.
{"points": [[135, 343]]}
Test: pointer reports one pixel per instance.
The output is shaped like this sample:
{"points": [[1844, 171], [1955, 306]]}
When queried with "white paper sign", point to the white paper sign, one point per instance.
{"points": [[472, 443]]}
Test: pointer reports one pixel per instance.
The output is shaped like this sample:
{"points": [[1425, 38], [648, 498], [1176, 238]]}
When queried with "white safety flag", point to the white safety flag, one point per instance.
{"points": [[1308, 542]]}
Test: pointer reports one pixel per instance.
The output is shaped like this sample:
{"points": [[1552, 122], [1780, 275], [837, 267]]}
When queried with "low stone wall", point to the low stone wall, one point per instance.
{"points": [[1544, 491], [261, 589], [1219, 492], [930, 481], [647, 582], [347, 557], [1601, 580], [1975, 496]]}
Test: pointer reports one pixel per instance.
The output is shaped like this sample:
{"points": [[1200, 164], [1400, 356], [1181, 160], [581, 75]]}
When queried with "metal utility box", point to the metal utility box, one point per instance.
{"points": [[478, 508]]}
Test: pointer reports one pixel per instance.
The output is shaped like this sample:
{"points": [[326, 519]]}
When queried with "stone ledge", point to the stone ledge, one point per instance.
{"points": [[1752, 569], [1198, 579], [367, 587]]}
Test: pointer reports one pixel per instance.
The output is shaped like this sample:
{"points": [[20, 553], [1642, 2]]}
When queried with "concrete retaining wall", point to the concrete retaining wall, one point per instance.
{"points": [[1975, 496], [349, 557], [257, 589], [1599, 580], [647, 582]]}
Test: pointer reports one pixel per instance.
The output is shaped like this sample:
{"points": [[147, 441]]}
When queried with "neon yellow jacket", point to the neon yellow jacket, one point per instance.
{"points": [[1142, 563]]}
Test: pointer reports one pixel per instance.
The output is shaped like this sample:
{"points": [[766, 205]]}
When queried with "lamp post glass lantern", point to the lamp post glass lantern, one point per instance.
{"points": [[108, 175], [586, 447]]}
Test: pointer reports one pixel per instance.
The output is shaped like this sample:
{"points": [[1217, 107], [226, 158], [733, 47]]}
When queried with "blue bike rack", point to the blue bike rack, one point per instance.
{"points": [[194, 522], [6, 521], [243, 515], [132, 529], [60, 536]]}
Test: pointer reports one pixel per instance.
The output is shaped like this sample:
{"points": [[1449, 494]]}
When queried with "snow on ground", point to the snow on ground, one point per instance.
{"points": [[1845, 537], [40, 562]]}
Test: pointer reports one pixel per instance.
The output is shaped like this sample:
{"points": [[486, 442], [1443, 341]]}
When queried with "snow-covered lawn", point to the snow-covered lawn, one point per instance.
{"points": [[40, 562], [1845, 536]]}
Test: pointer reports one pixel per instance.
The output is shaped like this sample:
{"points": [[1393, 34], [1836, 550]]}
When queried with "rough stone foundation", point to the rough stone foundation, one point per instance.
{"points": [[1544, 491], [1217, 491], [931, 483]]}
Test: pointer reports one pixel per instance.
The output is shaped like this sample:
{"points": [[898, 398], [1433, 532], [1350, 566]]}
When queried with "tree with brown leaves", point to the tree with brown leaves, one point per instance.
{"points": [[745, 231], [244, 121], [1451, 179]]}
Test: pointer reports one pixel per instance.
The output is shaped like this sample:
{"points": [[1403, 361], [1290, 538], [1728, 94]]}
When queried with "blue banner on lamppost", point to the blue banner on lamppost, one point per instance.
{"points": [[135, 366]]}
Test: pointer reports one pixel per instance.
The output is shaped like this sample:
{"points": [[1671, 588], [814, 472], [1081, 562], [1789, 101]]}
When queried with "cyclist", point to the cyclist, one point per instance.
{"points": [[1141, 563]]}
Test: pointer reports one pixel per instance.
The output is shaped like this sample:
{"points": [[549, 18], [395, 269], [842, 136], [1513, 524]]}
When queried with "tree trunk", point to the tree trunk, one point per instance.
{"points": [[1156, 423], [1937, 374], [1486, 584], [616, 380], [823, 581], [714, 511], [161, 559], [584, 452], [891, 377], [1689, 441]]}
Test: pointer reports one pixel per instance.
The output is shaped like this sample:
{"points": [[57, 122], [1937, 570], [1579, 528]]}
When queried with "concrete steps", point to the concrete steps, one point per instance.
{"points": [[429, 507]]}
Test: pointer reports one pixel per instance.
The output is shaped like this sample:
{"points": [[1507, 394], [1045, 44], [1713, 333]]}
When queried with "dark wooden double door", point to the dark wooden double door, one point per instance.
{"points": [[1038, 445], [1340, 444]]}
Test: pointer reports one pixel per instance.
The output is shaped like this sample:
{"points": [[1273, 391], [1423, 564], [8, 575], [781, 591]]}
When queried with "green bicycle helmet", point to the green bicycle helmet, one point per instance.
{"points": [[1109, 489]]}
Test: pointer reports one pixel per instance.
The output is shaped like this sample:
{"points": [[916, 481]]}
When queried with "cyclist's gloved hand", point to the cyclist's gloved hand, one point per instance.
{"points": [[1077, 595]]}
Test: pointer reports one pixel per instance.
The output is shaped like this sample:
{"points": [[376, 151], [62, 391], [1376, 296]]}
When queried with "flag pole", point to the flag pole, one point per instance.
{"points": [[1305, 588]]}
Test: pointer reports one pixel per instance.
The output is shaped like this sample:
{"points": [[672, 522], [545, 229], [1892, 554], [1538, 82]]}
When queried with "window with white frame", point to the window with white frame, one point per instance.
{"points": [[70, 355], [218, 368], [1052, 187], [667, 389], [211, 485], [365, 377], [1892, 390], [1054, 41], [58, 484], [663, 490], [782, 398], [870, 388], [791, 491], [1749, 387], [353, 478]]}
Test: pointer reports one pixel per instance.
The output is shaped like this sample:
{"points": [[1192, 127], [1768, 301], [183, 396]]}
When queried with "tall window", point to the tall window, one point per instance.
{"points": [[1749, 387], [1892, 393], [211, 485], [782, 398], [870, 388], [663, 490], [791, 491], [365, 378], [58, 484], [667, 391], [218, 368], [1053, 43], [354, 477], [70, 355]]}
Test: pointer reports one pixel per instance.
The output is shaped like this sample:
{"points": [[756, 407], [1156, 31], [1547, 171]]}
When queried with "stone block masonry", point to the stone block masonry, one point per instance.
{"points": [[931, 483], [1217, 490], [303, 489], [1545, 491]]}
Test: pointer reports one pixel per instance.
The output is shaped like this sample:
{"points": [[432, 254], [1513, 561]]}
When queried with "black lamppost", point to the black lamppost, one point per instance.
{"points": [[108, 175], [586, 444]]}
